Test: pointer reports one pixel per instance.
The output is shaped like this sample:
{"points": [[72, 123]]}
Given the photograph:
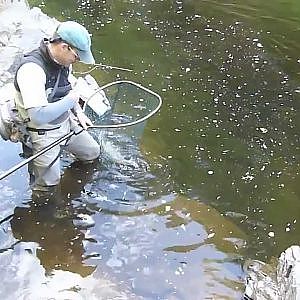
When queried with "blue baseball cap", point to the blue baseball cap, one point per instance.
{"points": [[78, 37]]}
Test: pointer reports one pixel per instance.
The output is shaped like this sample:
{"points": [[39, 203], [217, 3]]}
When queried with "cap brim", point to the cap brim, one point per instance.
{"points": [[86, 57]]}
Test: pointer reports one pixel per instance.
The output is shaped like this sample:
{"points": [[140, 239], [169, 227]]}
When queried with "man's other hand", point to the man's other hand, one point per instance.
{"points": [[83, 120]]}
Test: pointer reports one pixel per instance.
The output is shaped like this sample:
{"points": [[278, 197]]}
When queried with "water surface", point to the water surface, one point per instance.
{"points": [[211, 181]]}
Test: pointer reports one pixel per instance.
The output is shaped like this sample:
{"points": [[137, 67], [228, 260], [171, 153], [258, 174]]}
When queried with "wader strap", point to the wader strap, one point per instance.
{"points": [[50, 97]]}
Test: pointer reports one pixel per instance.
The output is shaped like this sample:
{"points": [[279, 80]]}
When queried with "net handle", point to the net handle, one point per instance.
{"points": [[122, 125]]}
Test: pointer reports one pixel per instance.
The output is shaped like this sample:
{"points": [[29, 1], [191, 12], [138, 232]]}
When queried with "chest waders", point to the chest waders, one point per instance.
{"points": [[57, 86], [27, 151]]}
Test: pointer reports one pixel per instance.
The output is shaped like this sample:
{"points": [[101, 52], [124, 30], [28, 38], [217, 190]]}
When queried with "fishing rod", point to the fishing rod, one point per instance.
{"points": [[50, 146], [29, 159], [97, 66], [106, 126]]}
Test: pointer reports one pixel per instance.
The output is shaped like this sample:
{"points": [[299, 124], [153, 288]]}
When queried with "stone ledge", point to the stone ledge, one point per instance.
{"points": [[21, 30]]}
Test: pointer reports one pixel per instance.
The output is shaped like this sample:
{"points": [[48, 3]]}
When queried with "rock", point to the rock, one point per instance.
{"points": [[21, 30], [265, 282], [4, 38], [288, 273]]}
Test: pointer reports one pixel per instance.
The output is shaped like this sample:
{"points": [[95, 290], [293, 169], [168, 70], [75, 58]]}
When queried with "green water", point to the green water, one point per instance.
{"points": [[223, 152], [228, 74]]}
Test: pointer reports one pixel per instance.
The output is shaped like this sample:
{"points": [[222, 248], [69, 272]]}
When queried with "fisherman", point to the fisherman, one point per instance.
{"points": [[49, 105]]}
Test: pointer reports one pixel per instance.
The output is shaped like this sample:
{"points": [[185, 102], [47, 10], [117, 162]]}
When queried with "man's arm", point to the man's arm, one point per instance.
{"points": [[45, 114], [35, 99]]}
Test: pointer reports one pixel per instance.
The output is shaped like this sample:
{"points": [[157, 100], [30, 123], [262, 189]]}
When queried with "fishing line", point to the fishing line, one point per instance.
{"points": [[97, 66]]}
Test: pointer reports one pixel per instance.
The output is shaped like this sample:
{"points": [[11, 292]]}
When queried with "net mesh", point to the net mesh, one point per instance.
{"points": [[122, 104]]}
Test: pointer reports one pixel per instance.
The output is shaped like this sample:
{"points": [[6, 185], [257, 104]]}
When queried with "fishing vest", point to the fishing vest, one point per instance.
{"points": [[57, 84]]}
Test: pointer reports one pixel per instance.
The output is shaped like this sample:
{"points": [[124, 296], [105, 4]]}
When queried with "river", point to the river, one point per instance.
{"points": [[211, 181]]}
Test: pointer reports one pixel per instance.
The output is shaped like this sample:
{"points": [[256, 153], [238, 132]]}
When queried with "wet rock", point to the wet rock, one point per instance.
{"points": [[4, 38], [281, 282], [21, 30]]}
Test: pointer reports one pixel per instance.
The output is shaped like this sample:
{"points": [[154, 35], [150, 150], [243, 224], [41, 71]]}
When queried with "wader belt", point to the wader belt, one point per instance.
{"points": [[41, 131]]}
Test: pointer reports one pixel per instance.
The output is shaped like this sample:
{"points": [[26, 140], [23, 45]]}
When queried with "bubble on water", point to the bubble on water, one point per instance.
{"points": [[263, 130], [211, 235]]}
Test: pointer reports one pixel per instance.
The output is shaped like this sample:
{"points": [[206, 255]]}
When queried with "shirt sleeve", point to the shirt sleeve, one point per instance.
{"points": [[31, 79], [45, 114]]}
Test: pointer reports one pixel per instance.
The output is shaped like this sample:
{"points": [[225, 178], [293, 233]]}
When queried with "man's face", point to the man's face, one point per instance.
{"points": [[67, 54]]}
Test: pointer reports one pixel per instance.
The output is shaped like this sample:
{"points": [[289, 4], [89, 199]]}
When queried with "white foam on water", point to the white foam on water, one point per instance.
{"points": [[115, 152]]}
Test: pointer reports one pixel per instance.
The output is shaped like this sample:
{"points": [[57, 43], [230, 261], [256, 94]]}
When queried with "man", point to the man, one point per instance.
{"points": [[49, 106]]}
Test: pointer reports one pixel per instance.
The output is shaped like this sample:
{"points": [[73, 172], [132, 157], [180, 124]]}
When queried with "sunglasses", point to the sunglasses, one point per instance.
{"points": [[74, 52]]}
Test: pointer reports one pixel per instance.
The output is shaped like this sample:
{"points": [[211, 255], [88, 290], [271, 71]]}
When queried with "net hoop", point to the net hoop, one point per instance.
{"points": [[122, 125]]}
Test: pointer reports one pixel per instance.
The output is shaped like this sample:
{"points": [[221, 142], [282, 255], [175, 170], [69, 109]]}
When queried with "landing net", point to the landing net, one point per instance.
{"points": [[121, 104]]}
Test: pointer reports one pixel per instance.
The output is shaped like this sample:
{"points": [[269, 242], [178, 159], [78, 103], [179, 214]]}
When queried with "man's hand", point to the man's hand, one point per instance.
{"points": [[84, 121], [73, 95]]}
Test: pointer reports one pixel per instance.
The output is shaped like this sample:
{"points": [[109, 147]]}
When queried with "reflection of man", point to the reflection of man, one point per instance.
{"points": [[47, 103], [49, 222]]}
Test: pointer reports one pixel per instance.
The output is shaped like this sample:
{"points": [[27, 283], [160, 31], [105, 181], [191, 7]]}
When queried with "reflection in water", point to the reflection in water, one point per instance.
{"points": [[55, 231], [179, 240], [60, 243], [151, 242], [48, 221]]}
